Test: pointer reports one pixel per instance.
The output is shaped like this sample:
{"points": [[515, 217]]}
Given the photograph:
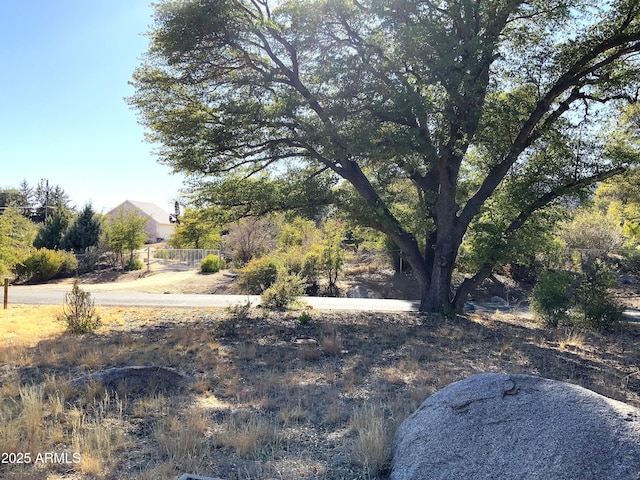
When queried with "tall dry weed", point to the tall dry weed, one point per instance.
{"points": [[248, 434], [182, 440], [372, 448], [32, 415]]}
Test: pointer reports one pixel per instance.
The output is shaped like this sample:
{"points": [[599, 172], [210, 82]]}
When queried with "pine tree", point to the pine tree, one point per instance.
{"points": [[54, 229], [84, 232]]}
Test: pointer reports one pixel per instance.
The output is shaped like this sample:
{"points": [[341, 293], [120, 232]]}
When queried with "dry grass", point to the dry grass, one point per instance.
{"points": [[572, 339], [372, 448], [271, 397]]}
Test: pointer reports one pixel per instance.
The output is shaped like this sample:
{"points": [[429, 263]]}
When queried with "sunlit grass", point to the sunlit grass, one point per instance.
{"points": [[22, 325], [267, 392]]}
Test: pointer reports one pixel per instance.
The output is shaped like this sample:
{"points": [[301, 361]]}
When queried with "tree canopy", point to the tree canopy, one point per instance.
{"points": [[426, 120], [125, 231], [83, 232], [16, 238]]}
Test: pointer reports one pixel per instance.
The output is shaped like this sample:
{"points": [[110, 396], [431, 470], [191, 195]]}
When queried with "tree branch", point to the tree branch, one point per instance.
{"points": [[470, 284]]}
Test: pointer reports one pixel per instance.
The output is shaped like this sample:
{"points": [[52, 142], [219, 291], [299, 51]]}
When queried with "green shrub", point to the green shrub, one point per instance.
{"points": [[258, 275], [162, 254], [597, 306], [631, 259], [553, 296], [585, 298], [133, 264], [91, 259], [211, 264], [78, 311], [44, 265], [304, 318], [69, 264], [283, 291]]}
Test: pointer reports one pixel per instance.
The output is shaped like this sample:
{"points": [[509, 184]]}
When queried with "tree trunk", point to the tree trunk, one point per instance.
{"points": [[436, 297], [469, 285]]}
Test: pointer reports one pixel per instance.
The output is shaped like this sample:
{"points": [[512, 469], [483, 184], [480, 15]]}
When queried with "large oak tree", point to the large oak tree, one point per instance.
{"points": [[425, 117]]}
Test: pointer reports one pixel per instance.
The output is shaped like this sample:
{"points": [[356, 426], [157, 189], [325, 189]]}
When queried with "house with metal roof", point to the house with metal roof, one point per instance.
{"points": [[159, 226]]}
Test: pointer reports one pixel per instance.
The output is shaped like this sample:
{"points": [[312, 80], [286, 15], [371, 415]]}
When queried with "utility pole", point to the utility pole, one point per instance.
{"points": [[46, 201]]}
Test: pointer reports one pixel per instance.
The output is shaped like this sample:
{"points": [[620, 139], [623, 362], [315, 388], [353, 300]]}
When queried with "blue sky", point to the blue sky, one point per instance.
{"points": [[65, 68]]}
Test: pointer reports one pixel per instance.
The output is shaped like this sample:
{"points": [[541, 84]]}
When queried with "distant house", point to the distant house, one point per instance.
{"points": [[159, 227]]}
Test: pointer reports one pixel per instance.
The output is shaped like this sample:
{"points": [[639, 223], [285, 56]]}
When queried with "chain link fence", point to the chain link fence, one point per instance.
{"points": [[174, 258]]}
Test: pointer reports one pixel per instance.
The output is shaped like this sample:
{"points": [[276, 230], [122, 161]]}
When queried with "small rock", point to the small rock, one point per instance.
{"points": [[499, 301], [190, 476], [626, 279], [136, 378], [358, 291]]}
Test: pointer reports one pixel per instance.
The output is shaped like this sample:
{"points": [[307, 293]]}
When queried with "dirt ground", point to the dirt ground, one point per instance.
{"points": [[378, 282], [275, 394], [295, 395], [355, 281], [160, 281]]}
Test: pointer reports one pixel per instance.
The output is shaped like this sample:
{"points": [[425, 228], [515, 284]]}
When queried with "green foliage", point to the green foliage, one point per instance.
{"points": [[424, 120], [84, 231], [619, 200], [553, 296], [592, 230], [297, 232], [79, 312], [44, 200], [132, 264], [308, 252], [597, 306], [44, 265], [11, 197], [499, 235], [211, 264], [584, 298], [304, 318], [311, 265], [51, 233], [286, 288], [300, 191], [16, 237], [259, 274], [125, 233], [196, 230]]}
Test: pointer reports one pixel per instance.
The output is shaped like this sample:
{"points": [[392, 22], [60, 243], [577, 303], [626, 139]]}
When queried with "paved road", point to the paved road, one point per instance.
{"points": [[54, 295]]}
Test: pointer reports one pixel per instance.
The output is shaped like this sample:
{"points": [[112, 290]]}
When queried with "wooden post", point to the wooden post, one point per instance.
{"points": [[6, 292]]}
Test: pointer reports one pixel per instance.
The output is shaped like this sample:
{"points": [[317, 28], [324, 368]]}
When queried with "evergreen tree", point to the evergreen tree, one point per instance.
{"points": [[16, 237], [54, 229], [46, 199], [84, 232], [9, 197], [26, 199]]}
